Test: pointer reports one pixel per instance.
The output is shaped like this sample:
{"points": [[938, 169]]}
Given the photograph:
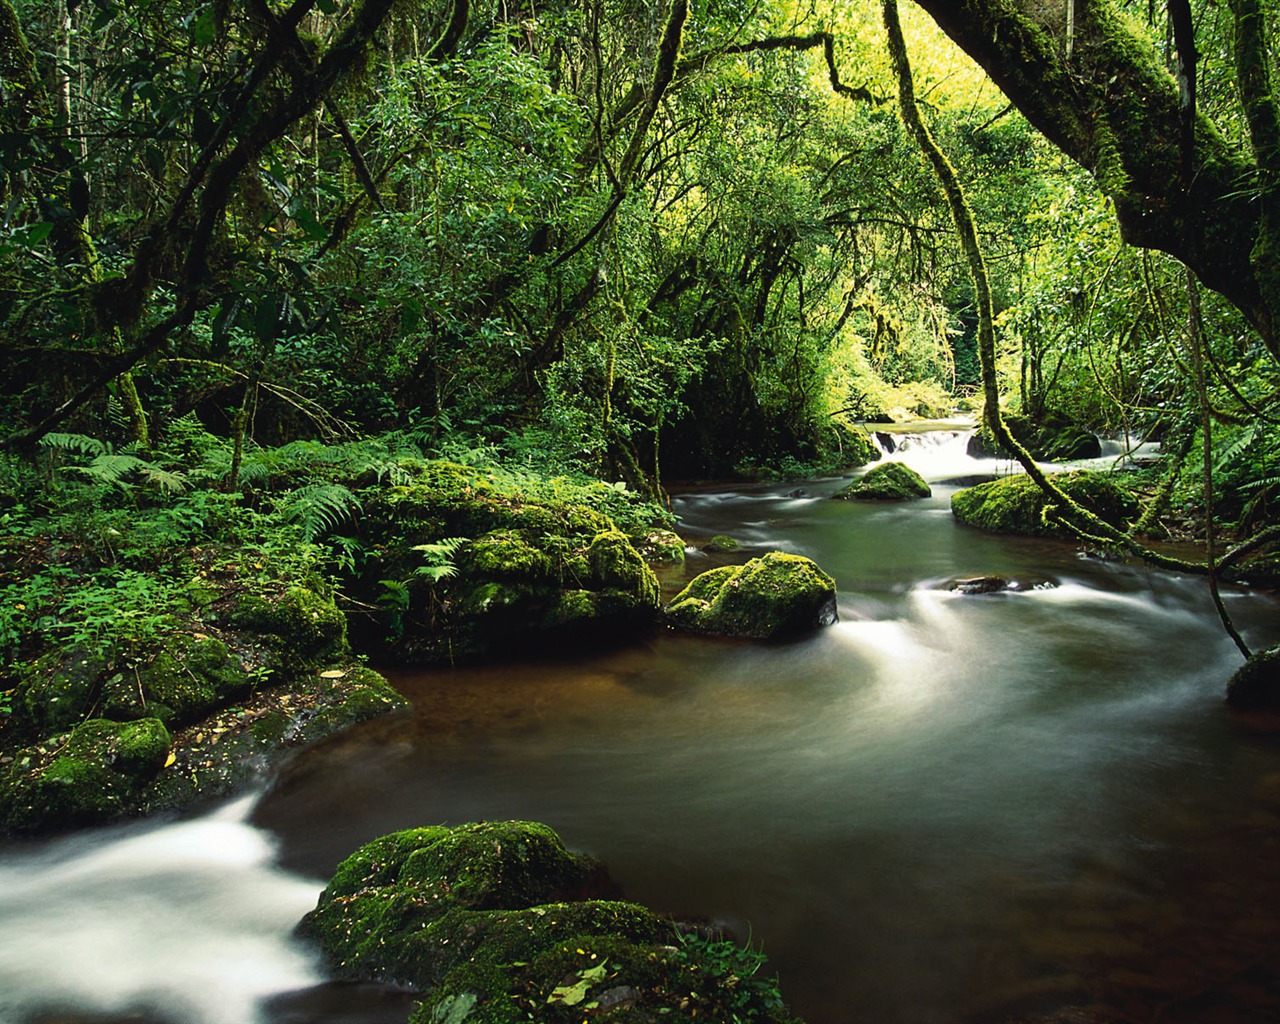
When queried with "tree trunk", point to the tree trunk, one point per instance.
{"points": [[1114, 108]]}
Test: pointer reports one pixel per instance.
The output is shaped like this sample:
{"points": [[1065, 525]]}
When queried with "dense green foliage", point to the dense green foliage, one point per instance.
{"points": [[416, 304]]}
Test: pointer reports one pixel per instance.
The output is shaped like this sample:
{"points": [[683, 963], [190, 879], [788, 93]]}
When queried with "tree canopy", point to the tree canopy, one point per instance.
{"points": [[646, 240]]}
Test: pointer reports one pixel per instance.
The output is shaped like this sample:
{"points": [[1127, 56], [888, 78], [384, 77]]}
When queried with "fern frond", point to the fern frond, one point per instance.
{"points": [[1236, 447], [318, 508], [81, 443], [436, 573], [446, 548], [1262, 483], [167, 480], [110, 469]]}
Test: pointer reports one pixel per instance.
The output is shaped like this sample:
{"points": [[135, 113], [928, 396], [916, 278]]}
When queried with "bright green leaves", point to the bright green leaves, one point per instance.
{"points": [[575, 993]]}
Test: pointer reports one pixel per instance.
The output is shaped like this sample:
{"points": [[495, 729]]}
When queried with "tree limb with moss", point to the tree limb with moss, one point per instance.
{"points": [[1062, 507], [1108, 102]]}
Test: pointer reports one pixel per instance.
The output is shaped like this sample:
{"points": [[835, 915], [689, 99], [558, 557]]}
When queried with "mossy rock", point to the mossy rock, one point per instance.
{"points": [[92, 776], [615, 565], [1255, 686], [889, 481], [1055, 437], [660, 547], [61, 689], [233, 747], [721, 544], [776, 595], [182, 682], [498, 923], [504, 555], [1016, 504], [304, 628], [373, 920]]}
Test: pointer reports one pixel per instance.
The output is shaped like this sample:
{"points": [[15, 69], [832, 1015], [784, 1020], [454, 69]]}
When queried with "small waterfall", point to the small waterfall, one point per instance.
{"points": [[939, 455]]}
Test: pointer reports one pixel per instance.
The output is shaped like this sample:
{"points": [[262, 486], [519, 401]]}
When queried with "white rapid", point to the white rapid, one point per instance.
{"points": [[186, 922]]}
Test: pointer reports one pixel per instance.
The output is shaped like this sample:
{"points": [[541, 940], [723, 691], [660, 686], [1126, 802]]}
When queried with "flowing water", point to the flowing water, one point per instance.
{"points": [[944, 808]]}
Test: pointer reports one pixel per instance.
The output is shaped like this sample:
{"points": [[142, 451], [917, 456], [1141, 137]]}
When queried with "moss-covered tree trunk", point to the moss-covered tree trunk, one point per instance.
{"points": [[1108, 102]]}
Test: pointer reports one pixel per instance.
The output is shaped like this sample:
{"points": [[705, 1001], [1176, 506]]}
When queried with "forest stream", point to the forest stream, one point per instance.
{"points": [[945, 808]]}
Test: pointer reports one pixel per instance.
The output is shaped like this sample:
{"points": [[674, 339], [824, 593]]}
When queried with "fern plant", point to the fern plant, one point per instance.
{"points": [[318, 509], [439, 558], [110, 468]]}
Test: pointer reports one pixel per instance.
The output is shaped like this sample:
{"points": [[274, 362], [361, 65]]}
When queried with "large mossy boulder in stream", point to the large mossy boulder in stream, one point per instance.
{"points": [[777, 595], [1016, 504], [889, 481], [1053, 437], [497, 923], [465, 566]]}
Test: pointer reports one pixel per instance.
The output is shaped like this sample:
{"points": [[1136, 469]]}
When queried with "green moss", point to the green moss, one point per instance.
{"points": [[358, 695], [91, 777], [507, 555], [616, 565], [890, 481], [1015, 504], [61, 689], [661, 547], [776, 595], [181, 683], [721, 544], [1255, 686], [141, 747], [306, 628], [491, 922]]}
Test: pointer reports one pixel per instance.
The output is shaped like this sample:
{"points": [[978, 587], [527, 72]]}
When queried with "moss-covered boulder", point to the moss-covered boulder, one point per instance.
{"points": [[776, 595], [182, 682], [660, 547], [1016, 504], [302, 626], [498, 923], [235, 745], [1054, 437], [721, 544], [60, 689], [889, 481], [93, 774], [467, 566], [1255, 686]]}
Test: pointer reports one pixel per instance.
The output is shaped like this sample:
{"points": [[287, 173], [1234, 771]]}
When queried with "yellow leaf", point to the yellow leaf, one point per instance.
{"points": [[170, 759]]}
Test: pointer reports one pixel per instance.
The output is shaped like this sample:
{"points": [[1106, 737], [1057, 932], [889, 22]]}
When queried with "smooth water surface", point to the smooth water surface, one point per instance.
{"points": [[944, 808]]}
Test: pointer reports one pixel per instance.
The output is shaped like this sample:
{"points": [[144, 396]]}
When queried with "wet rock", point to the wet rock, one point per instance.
{"points": [[996, 585], [721, 544], [1016, 504], [510, 570], [499, 922], [889, 481], [1255, 686], [776, 595], [660, 547], [886, 441], [92, 774]]}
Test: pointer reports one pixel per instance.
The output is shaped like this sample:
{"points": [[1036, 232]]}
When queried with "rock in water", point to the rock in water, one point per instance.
{"points": [[890, 481], [776, 595], [1256, 684]]}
